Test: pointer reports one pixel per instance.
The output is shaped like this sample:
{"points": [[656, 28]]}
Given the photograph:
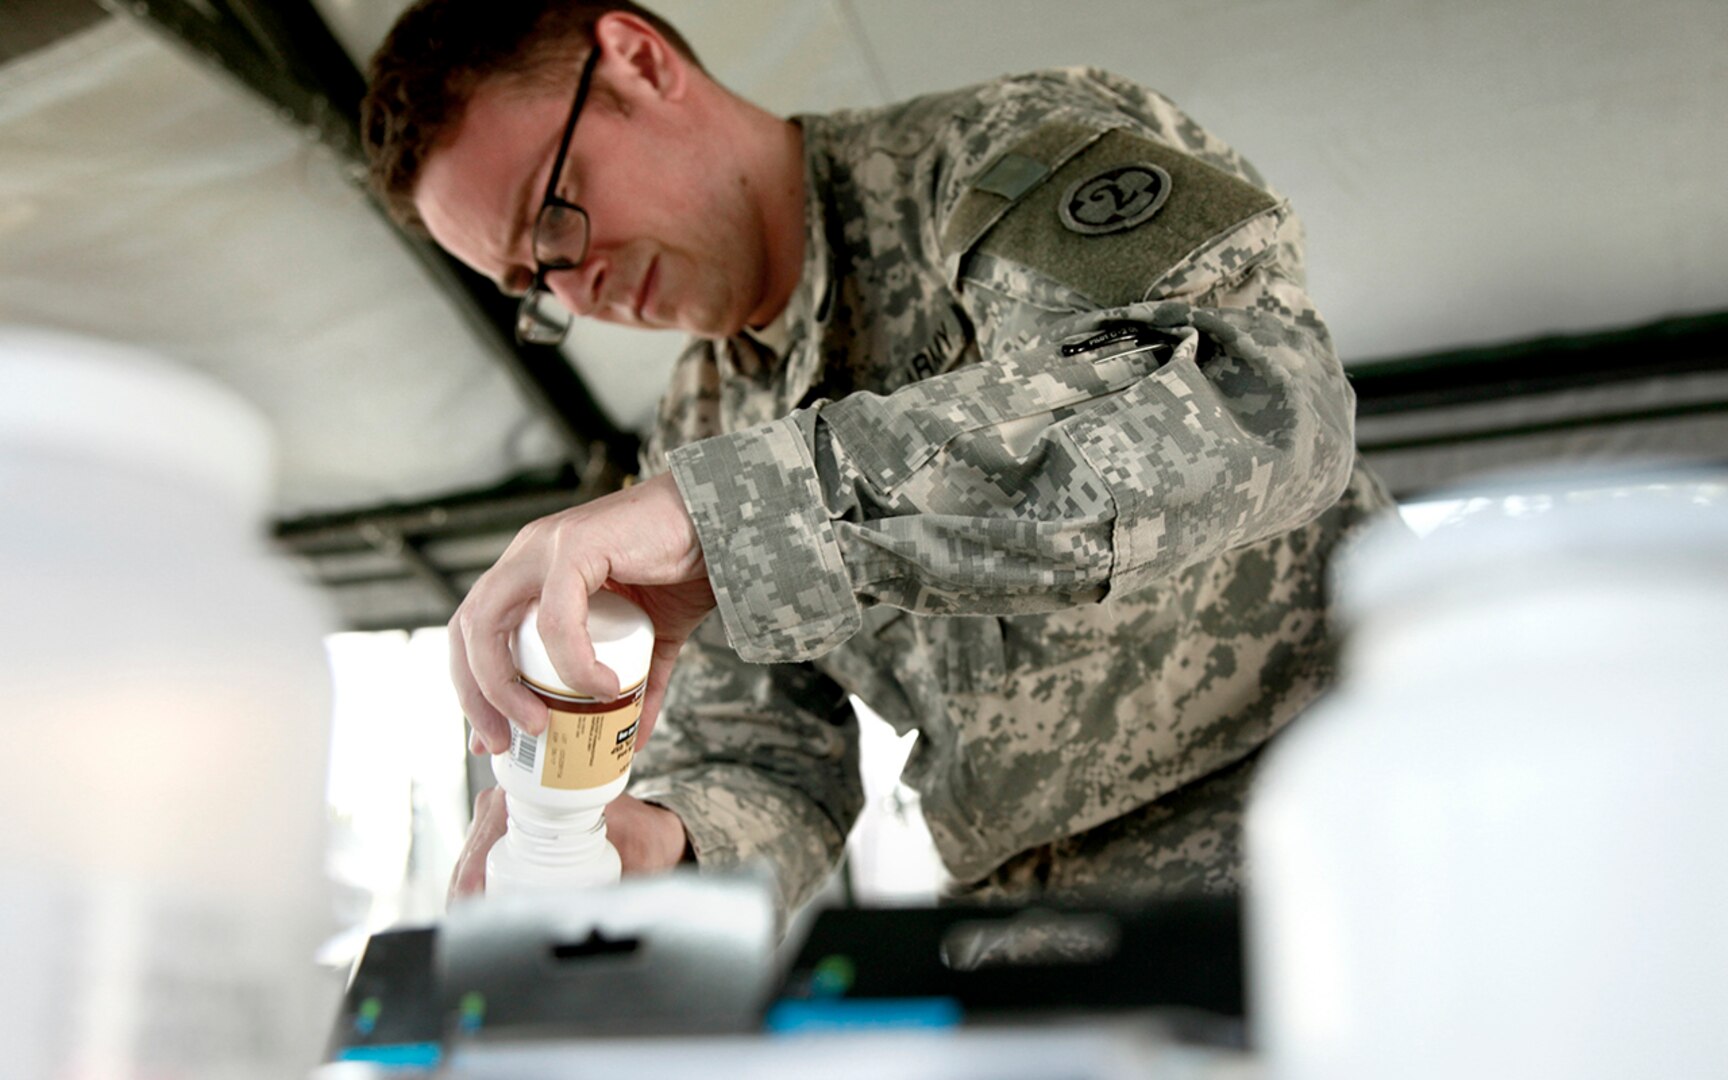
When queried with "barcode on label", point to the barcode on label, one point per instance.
{"points": [[524, 749]]}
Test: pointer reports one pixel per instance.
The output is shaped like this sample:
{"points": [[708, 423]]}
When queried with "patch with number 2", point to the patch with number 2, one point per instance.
{"points": [[1115, 199]]}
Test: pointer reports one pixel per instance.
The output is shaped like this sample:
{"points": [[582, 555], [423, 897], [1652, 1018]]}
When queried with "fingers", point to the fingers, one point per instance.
{"points": [[563, 623], [491, 732], [483, 671], [489, 824], [494, 669], [645, 534]]}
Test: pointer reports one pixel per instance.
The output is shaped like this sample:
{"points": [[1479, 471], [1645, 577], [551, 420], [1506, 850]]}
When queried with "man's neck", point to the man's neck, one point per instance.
{"points": [[779, 187]]}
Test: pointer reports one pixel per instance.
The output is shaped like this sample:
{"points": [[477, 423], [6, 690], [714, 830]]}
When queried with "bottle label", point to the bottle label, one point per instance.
{"points": [[589, 750], [586, 744]]}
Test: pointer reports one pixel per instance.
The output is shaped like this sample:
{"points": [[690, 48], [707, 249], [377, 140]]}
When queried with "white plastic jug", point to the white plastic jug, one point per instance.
{"points": [[1500, 848], [165, 699]]}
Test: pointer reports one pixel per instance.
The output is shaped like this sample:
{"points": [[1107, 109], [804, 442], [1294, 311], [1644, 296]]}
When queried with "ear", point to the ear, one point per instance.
{"points": [[637, 61]]}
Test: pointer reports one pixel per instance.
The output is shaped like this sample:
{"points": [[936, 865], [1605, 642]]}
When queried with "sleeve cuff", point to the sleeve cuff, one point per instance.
{"points": [[711, 847], [773, 559], [725, 830]]}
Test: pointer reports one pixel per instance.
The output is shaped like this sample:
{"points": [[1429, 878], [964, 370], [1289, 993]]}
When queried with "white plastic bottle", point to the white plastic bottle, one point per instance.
{"points": [[165, 697], [557, 784], [1501, 848]]}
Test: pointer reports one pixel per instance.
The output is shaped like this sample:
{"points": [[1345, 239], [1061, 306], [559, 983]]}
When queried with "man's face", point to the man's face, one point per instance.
{"points": [[673, 240]]}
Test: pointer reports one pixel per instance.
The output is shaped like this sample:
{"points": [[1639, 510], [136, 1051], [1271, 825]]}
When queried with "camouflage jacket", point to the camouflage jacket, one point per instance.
{"points": [[1046, 469]]}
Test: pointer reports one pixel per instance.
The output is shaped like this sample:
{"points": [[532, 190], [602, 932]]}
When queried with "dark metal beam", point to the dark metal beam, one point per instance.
{"points": [[1593, 422], [29, 25], [408, 554], [464, 513], [1541, 366], [217, 37], [541, 373]]}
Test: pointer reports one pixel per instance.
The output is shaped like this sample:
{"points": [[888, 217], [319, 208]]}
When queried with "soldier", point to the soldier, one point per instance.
{"points": [[1005, 412]]}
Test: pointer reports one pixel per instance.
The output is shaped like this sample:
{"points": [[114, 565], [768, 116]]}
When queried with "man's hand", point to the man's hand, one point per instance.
{"points": [[640, 543], [486, 829], [650, 839]]}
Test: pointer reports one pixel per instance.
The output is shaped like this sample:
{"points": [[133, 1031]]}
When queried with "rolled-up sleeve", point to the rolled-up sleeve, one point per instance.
{"points": [[1116, 449]]}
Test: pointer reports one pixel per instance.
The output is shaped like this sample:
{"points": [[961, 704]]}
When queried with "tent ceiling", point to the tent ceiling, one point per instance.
{"points": [[1471, 174]]}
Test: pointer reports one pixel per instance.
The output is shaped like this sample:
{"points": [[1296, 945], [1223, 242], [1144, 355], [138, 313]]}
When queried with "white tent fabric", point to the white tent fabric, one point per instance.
{"points": [[1470, 172], [144, 198]]}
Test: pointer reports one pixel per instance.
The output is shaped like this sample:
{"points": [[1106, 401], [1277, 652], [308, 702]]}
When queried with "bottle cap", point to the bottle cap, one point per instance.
{"points": [[623, 640]]}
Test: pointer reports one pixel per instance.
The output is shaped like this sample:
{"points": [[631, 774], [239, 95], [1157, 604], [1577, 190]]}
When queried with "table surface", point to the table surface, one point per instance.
{"points": [[1056, 1052]]}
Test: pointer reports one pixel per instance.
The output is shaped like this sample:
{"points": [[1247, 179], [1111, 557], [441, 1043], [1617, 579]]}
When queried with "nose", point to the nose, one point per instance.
{"points": [[578, 288]]}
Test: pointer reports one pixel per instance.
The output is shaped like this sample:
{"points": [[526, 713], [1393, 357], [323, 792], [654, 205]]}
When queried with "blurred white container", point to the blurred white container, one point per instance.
{"points": [[1500, 849], [164, 691]]}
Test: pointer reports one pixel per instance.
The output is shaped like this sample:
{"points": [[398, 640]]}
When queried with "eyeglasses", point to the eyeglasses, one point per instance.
{"points": [[560, 238]]}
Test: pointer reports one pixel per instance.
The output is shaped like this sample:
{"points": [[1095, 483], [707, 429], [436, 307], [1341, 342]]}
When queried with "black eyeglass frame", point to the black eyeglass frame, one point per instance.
{"points": [[535, 325]]}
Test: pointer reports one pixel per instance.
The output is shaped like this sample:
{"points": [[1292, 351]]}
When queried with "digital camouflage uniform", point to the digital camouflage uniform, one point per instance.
{"points": [[1048, 470]]}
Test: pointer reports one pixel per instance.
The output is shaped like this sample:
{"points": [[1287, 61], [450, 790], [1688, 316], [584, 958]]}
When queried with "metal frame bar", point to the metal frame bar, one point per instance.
{"points": [[413, 559], [1542, 366], [1548, 427], [30, 25], [456, 514]]}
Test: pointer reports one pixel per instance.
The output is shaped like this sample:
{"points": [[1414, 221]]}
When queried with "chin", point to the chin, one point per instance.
{"points": [[710, 324]]}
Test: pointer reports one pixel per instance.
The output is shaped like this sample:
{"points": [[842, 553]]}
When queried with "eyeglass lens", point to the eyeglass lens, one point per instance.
{"points": [[540, 319], [560, 236]]}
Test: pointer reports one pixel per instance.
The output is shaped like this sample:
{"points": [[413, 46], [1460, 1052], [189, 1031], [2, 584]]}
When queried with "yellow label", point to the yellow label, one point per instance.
{"points": [[589, 750]]}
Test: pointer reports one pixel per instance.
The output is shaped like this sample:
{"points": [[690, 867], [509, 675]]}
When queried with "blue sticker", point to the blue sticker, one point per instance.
{"points": [[863, 1014], [423, 1055]]}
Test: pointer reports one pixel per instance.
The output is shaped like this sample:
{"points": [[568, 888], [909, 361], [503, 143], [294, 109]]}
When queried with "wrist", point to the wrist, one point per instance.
{"points": [[674, 846], [650, 838]]}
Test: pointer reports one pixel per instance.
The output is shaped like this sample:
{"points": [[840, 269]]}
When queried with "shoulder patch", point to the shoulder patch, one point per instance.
{"points": [[1120, 197], [1113, 216]]}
